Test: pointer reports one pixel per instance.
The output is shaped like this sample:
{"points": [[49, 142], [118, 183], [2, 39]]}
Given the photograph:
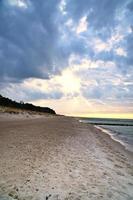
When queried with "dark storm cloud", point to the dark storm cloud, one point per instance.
{"points": [[28, 38], [129, 48], [130, 5]]}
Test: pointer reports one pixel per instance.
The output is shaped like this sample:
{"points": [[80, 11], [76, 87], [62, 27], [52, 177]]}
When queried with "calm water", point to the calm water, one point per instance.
{"points": [[119, 129]]}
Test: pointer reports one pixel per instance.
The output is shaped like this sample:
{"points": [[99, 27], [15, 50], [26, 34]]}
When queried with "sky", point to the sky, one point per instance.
{"points": [[75, 56]]}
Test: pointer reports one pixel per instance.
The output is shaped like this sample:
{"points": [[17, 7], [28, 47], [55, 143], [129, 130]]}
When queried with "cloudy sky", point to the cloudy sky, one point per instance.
{"points": [[75, 56]]}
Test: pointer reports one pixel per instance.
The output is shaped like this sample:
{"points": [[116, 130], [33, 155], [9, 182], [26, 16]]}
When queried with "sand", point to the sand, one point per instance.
{"points": [[59, 158]]}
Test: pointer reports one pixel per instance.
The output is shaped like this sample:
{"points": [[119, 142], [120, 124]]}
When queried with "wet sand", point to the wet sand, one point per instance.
{"points": [[59, 158]]}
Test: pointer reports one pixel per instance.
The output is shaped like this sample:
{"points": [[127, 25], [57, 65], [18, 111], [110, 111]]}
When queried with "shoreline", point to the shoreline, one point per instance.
{"points": [[115, 143], [59, 158], [107, 131], [112, 136]]}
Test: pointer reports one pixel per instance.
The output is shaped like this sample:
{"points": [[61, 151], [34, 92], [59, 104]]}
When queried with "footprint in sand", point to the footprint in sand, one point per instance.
{"points": [[13, 194], [119, 173], [120, 160], [110, 159], [118, 166]]}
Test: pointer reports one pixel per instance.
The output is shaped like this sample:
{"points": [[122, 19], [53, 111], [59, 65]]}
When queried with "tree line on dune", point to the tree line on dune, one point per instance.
{"points": [[24, 106]]}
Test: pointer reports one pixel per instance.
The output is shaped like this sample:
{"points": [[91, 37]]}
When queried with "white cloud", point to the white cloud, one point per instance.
{"points": [[18, 3], [69, 23], [121, 52], [100, 45], [116, 37], [82, 26], [62, 7], [79, 64]]}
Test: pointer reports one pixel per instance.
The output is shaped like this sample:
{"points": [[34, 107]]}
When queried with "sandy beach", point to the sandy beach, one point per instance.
{"points": [[59, 158]]}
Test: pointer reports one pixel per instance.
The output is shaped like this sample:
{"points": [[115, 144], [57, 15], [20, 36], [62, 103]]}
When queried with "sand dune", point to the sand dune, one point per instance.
{"points": [[59, 158]]}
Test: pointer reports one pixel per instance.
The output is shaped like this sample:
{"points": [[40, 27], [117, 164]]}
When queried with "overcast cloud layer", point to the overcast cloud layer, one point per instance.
{"points": [[67, 50]]}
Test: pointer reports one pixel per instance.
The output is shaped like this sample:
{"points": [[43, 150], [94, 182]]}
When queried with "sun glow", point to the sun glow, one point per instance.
{"points": [[109, 115], [69, 81]]}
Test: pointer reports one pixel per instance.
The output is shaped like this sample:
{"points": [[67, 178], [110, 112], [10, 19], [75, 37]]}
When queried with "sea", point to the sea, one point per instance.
{"points": [[120, 130]]}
